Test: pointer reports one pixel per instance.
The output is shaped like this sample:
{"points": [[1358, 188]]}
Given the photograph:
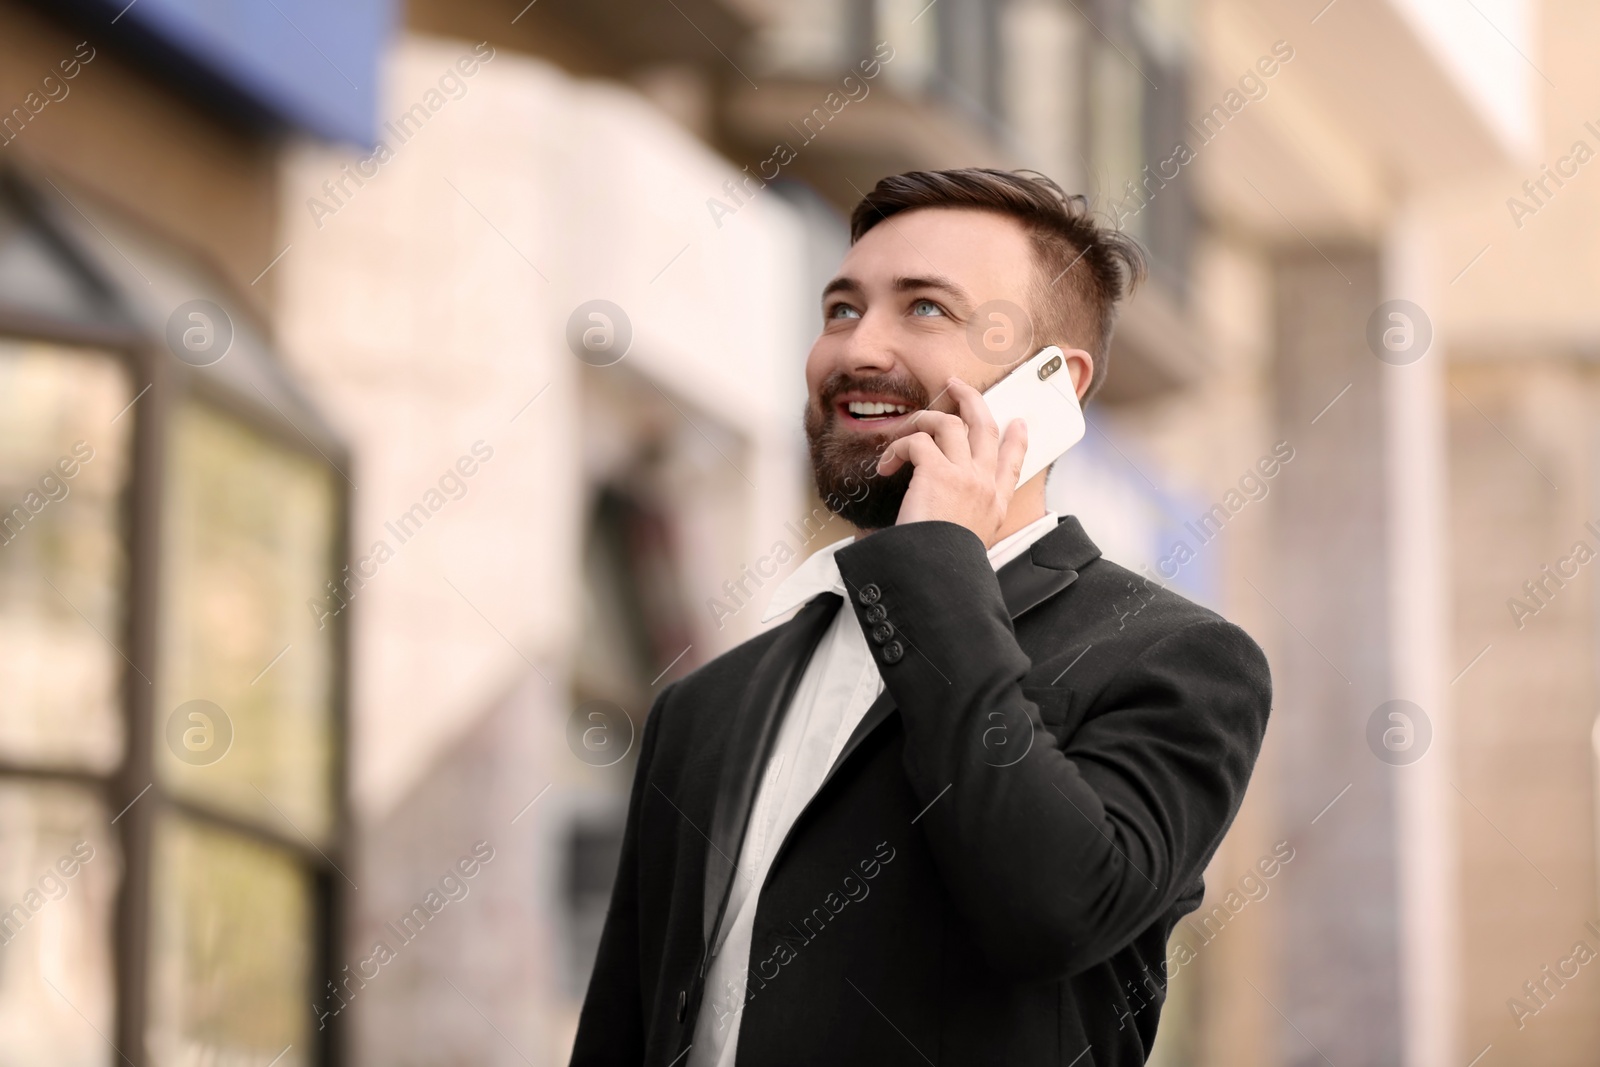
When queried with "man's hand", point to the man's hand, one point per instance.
{"points": [[965, 471]]}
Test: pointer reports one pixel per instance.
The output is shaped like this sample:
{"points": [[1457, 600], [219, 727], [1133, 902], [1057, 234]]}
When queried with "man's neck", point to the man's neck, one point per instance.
{"points": [[1024, 511]]}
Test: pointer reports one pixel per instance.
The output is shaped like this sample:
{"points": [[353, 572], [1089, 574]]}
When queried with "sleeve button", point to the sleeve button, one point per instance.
{"points": [[882, 632], [876, 613], [870, 594], [892, 652]]}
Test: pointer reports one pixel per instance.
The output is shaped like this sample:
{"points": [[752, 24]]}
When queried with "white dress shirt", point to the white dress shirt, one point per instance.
{"points": [[838, 686]]}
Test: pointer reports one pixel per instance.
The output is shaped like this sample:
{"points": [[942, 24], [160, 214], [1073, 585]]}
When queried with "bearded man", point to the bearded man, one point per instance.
{"points": [[950, 811]]}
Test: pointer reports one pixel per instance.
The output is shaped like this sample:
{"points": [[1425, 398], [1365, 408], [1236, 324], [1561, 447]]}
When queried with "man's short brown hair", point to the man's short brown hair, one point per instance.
{"points": [[1084, 268]]}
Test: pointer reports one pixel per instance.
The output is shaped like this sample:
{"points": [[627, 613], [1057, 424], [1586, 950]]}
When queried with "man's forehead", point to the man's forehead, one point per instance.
{"points": [[968, 249]]}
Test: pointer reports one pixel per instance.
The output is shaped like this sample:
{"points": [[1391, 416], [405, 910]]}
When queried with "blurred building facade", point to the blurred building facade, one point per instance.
{"points": [[175, 824], [507, 434]]}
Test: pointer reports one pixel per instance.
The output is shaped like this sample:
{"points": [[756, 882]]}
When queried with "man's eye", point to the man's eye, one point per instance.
{"points": [[926, 307], [843, 311]]}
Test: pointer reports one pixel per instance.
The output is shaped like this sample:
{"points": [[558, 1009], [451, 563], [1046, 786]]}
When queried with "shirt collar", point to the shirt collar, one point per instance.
{"points": [[820, 572], [1014, 545]]}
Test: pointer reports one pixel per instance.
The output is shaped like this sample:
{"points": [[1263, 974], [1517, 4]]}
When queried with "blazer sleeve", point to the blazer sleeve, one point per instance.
{"points": [[1061, 858], [611, 1026]]}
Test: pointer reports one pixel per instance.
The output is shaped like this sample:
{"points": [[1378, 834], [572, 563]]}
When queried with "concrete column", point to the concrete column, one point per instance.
{"points": [[1341, 990], [1423, 662]]}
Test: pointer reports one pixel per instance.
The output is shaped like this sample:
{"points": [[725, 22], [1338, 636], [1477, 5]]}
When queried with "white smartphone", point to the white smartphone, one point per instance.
{"points": [[1040, 393]]}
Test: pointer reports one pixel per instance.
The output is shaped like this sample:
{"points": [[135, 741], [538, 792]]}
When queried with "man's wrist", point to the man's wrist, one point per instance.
{"points": [[929, 581]]}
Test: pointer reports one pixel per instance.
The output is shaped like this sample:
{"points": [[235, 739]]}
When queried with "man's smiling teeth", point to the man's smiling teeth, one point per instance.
{"points": [[868, 409]]}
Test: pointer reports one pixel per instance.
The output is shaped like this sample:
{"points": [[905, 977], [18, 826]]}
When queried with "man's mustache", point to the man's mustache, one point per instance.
{"points": [[903, 389]]}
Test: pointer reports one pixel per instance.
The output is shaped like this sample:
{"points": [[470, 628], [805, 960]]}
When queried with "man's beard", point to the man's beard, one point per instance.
{"points": [[845, 464]]}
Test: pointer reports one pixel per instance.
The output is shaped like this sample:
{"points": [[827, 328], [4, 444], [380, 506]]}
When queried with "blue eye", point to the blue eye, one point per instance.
{"points": [[843, 311], [917, 308]]}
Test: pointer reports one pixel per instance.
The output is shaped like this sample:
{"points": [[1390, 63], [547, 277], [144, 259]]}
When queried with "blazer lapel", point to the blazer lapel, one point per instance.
{"points": [[755, 730], [1025, 583]]}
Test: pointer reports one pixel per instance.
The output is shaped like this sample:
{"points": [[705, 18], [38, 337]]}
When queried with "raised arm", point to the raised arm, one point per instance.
{"points": [[1061, 858]]}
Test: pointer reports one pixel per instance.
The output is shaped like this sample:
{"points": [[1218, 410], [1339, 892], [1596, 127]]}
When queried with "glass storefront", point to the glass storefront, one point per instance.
{"points": [[170, 710], [246, 530]]}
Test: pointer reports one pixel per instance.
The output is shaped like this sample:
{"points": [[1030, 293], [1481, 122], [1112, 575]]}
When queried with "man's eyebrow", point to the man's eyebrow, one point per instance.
{"points": [[842, 284], [932, 281], [902, 284]]}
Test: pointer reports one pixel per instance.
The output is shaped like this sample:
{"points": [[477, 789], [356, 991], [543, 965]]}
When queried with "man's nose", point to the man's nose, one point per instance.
{"points": [[871, 346]]}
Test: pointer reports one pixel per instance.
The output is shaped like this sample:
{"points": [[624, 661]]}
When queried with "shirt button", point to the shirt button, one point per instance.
{"points": [[870, 594], [892, 652], [882, 632], [683, 1004], [877, 613]]}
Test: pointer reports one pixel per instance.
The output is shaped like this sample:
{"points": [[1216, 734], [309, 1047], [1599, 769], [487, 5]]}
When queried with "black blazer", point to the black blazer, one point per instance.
{"points": [[991, 869]]}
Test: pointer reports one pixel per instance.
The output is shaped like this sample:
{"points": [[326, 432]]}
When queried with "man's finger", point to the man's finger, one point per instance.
{"points": [[983, 434], [1013, 450], [948, 431], [918, 449]]}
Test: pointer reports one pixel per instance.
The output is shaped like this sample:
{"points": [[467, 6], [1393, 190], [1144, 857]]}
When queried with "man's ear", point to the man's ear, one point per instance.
{"points": [[1081, 366]]}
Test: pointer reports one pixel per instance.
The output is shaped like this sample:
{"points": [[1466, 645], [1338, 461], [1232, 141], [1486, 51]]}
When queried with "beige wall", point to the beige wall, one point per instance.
{"points": [[1522, 324], [1524, 473], [1536, 284], [427, 312], [433, 304], [1514, 775]]}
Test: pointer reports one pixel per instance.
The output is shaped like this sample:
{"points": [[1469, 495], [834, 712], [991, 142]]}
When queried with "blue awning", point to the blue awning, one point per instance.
{"points": [[309, 65]]}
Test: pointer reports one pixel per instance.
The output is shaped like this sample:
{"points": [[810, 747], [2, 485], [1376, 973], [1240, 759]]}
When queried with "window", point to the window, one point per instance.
{"points": [[649, 470], [592, 850], [968, 76], [171, 814], [1045, 42], [1139, 101]]}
